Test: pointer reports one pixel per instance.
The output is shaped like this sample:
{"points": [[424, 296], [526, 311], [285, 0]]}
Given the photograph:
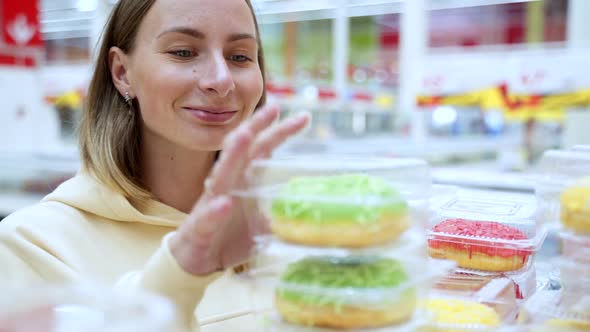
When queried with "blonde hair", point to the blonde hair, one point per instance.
{"points": [[109, 133]]}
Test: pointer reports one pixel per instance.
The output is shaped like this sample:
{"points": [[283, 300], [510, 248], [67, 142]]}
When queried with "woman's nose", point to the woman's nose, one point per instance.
{"points": [[217, 77]]}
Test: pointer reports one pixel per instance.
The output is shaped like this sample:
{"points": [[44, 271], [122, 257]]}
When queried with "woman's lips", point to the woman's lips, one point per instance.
{"points": [[213, 117]]}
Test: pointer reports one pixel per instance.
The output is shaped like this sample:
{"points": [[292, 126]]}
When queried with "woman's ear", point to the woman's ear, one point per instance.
{"points": [[119, 67]]}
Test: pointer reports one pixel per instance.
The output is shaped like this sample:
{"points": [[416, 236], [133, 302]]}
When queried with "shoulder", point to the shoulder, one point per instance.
{"points": [[37, 243], [44, 215]]}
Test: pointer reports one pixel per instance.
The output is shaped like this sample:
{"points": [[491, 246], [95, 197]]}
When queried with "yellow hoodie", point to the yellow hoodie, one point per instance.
{"points": [[85, 231]]}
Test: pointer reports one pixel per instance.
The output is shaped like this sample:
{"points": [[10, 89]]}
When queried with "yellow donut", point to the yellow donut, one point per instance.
{"points": [[454, 315], [575, 207]]}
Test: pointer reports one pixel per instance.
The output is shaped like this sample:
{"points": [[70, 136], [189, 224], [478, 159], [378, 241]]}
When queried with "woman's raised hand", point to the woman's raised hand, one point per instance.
{"points": [[216, 235]]}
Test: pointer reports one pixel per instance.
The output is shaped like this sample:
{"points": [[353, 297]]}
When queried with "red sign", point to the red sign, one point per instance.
{"points": [[20, 23], [17, 61]]}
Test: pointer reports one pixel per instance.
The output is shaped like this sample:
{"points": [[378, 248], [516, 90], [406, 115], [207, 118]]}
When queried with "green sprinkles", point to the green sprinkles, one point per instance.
{"points": [[350, 198], [333, 274]]}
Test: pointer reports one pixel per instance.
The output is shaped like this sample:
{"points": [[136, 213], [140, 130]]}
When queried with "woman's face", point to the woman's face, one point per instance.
{"points": [[194, 71]]}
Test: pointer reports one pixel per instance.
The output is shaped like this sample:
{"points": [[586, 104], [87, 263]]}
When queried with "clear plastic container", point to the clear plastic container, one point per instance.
{"points": [[301, 302], [496, 293], [557, 309], [336, 201], [525, 281], [448, 314], [575, 247], [271, 257], [559, 170], [88, 308], [575, 276], [575, 206], [343, 292], [484, 234], [565, 164], [274, 323]]}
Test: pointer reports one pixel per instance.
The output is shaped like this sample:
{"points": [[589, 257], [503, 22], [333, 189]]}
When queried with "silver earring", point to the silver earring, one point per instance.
{"points": [[127, 98]]}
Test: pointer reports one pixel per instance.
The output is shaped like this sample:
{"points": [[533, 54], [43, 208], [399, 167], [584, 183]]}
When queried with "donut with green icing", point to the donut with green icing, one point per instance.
{"points": [[348, 210], [345, 293]]}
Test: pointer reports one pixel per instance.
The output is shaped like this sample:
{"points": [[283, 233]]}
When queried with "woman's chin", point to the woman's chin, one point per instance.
{"points": [[205, 140], [205, 147]]}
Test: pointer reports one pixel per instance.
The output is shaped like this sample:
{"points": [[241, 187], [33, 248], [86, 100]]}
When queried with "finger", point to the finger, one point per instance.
{"points": [[231, 164], [263, 118], [271, 138], [209, 217]]}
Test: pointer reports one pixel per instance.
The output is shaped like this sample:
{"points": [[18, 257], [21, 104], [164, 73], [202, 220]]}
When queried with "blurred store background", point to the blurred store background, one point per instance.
{"points": [[479, 88]]}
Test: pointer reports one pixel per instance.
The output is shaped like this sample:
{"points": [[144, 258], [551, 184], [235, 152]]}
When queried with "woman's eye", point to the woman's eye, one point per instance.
{"points": [[182, 53], [240, 58]]}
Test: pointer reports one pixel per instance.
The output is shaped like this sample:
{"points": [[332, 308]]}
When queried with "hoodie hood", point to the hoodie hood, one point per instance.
{"points": [[87, 194]]}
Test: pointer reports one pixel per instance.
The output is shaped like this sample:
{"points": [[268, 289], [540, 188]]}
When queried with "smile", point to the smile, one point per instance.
{"points": [[212, 116]]}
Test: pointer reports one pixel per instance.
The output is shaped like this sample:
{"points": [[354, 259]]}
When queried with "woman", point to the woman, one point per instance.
{"points": [[175, 82]]}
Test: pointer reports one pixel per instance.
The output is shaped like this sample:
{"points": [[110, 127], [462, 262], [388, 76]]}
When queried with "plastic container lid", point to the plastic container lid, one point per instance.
{"points": [[496, 293], [342, 271], [575, 275], [556, 307], [416, 268], [575, 247], [475, 231], [416, 271], [524, 280], [517, 215], [87, 308], [565, 164], [559, 170], [271, 255], [410, 176], [336, 201]]}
